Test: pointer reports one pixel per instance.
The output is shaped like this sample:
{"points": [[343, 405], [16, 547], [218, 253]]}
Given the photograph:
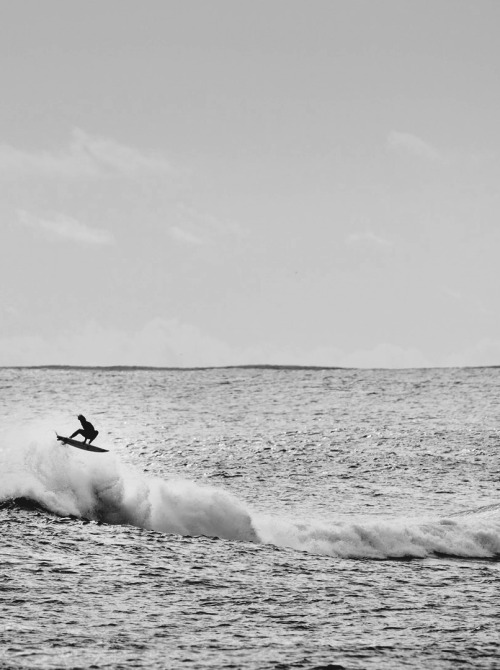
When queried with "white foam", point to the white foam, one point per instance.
{"points": [[99, 486], [477, 536]]}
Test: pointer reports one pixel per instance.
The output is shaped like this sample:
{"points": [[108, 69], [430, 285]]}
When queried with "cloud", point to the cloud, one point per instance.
{"points": [[209, 223], [108, 154], [452, 293], [386, 356], [380, 356], [161, 342], [405, 143], [173, 343], [185, 236], [86, 157], [201, 228], [197, 228], [485, 352], [67, 228], [368, 240]]}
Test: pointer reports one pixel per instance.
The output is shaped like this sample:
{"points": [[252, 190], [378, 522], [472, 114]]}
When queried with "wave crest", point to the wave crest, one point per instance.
{"points": [[101, 488]]}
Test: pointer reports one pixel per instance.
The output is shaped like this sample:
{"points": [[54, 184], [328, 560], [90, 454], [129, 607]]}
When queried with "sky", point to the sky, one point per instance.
{"points": [[227, 182]]}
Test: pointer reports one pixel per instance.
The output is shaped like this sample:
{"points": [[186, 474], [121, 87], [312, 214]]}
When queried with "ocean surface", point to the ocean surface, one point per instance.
{"points": [[251, 518]]}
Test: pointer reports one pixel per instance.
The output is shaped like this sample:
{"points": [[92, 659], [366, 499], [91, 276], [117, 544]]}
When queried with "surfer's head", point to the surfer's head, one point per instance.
{"points": [[80, 417]]}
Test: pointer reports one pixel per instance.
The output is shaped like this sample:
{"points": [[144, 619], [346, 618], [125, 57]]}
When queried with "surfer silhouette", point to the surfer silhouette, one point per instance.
{"points": [[87, 431]]}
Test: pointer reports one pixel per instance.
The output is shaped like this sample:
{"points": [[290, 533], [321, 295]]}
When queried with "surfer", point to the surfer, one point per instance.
{"points": [[87, 430]]}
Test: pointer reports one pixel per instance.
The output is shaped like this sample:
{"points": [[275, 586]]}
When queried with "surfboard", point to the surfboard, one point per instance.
{"points": [[80, 445]]}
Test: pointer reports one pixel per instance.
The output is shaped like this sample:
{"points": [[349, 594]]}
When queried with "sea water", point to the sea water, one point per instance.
{"points": [[250, 518]]}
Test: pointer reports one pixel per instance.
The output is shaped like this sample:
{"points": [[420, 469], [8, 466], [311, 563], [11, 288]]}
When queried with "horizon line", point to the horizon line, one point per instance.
{"points": [[249, 366]]}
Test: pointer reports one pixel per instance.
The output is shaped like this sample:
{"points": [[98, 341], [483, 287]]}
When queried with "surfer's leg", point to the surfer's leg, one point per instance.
{"points": [[78, 432], [96, 433]]}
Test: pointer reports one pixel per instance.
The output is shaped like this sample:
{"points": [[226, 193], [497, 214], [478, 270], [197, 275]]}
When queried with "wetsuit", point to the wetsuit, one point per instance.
{"points": [[87, 431]]}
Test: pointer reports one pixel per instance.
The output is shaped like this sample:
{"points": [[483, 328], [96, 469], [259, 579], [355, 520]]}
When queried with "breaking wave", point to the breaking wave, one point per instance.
{"points": [[100, 488], [38, 474], [476, 535]]}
